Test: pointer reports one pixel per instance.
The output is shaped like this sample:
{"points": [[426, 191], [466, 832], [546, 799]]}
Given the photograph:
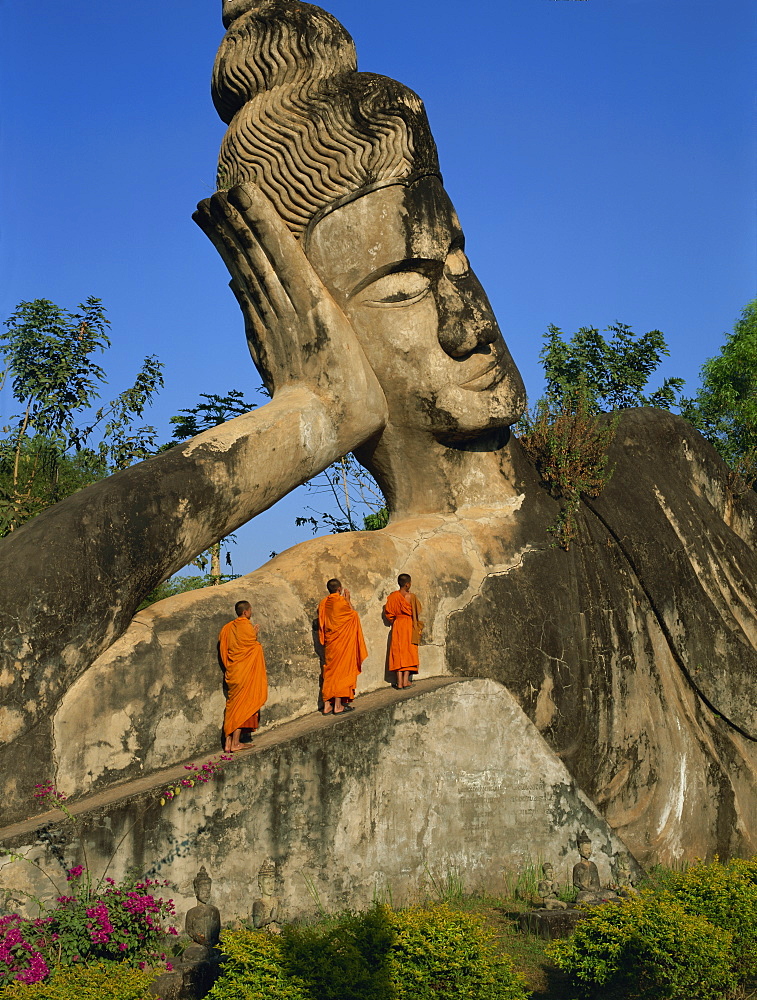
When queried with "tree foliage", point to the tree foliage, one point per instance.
{"points": [[354, 497], [725, 408], [613, 371], [586, 375], [569, 445], [214, 410], [59, 442]]}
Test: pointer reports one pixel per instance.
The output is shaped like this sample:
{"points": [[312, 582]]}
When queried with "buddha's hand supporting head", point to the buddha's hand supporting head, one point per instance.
{"points": [[297, 333]]}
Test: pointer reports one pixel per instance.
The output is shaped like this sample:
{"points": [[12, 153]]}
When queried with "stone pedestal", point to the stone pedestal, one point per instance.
{"points": [[550, 924], [192, 978]]}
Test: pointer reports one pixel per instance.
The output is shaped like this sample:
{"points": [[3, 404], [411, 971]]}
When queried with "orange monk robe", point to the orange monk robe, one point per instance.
{"points": [[341, 636], [403, 654], [246, 679]]}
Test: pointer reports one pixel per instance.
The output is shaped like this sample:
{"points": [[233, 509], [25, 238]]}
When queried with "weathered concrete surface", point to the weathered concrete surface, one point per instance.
{"points": [[449, 777], [633, 654], [596, 643]]}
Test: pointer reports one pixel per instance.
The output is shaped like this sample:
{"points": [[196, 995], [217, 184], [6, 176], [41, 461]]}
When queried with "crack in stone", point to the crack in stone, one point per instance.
{"points": [[664, 628]]}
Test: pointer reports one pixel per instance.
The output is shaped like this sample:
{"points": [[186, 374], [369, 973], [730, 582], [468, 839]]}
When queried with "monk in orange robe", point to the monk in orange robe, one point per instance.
{"points": [[341, 636], [246, 679], [402, 609]]}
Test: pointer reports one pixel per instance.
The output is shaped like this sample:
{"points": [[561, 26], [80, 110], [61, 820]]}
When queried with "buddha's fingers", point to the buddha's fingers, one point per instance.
{"points": [[316, 325], [255, 260], [287, 263], [216, 218], [297, 332], [270, 319]]}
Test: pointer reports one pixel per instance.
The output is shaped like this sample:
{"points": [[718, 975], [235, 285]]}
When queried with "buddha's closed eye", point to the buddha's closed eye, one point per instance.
{"points": [[397, 289], [408, 286]]}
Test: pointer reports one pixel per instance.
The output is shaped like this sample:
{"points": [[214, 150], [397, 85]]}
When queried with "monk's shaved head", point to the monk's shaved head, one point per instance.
{"points": [[333, 586], [403, 579], [240, 607]]}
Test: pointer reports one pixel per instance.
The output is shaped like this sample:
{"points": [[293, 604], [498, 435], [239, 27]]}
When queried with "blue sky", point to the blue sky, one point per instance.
{"points": [[601, 155]]}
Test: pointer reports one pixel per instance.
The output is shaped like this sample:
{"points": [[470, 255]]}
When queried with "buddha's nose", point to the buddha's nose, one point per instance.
{"points": [[466, 319]]}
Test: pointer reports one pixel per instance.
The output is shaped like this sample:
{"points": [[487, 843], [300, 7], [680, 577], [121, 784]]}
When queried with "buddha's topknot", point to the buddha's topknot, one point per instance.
{"points": [[304, 125]]}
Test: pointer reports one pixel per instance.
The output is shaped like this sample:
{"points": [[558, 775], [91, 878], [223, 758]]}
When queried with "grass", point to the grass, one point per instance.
{"points": [[526, 950]]}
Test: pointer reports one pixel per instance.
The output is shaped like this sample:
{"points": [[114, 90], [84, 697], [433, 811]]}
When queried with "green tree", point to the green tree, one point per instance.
{"points": [[213, 411], [725, 408], [59, 443], [613, 371], [355, 497], [564, 434]]}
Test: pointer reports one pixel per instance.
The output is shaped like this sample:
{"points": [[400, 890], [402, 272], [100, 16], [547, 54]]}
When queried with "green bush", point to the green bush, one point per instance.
{"points": [[347, 960], [443, 954], [253, 969], [651, 947], [726, 894], [103, 981], [423, 953], [569, 445]]}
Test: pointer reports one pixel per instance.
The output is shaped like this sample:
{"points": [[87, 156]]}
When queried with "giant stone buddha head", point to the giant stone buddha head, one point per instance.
{"points": [[350, 165]]}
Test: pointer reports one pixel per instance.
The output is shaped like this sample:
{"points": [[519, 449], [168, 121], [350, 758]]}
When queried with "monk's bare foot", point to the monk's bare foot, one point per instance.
{"points": [[242, 746], [328, 708]]}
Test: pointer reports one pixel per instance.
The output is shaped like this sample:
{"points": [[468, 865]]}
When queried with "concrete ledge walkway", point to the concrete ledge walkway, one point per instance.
{"points": [[267, 737]]}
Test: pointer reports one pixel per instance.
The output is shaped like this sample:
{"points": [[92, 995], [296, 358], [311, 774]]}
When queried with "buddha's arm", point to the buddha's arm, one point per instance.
{"points": [[71, 579]]}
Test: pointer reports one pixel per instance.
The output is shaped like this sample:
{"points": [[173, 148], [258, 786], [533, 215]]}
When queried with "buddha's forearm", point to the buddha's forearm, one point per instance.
{"points": [[74, 576]]}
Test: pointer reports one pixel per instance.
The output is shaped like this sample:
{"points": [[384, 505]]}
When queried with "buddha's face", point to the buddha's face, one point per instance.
{"points": [[394, 260], [584, 849], [266, 884]]}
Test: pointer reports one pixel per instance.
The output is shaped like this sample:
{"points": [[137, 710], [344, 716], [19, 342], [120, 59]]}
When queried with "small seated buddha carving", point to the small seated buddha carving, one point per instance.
{"points": [[586, 876], [547, 890], [265, 910], [623, 878], [203, 921]]}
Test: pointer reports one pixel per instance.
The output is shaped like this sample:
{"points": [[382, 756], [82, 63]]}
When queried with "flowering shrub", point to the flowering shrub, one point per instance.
{"points": [[101, 981], [23, 944], [118, 923], [47, 790], [123, 922], [650, 946], [92, 920], [197, 776]]}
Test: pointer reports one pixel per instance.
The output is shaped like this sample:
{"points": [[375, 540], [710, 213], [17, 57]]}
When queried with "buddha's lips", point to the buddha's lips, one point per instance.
{"points": [[484, 379]]}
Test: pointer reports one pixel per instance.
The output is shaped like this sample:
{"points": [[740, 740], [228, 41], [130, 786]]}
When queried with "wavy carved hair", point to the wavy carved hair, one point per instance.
{"points": [[304, 125]]}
